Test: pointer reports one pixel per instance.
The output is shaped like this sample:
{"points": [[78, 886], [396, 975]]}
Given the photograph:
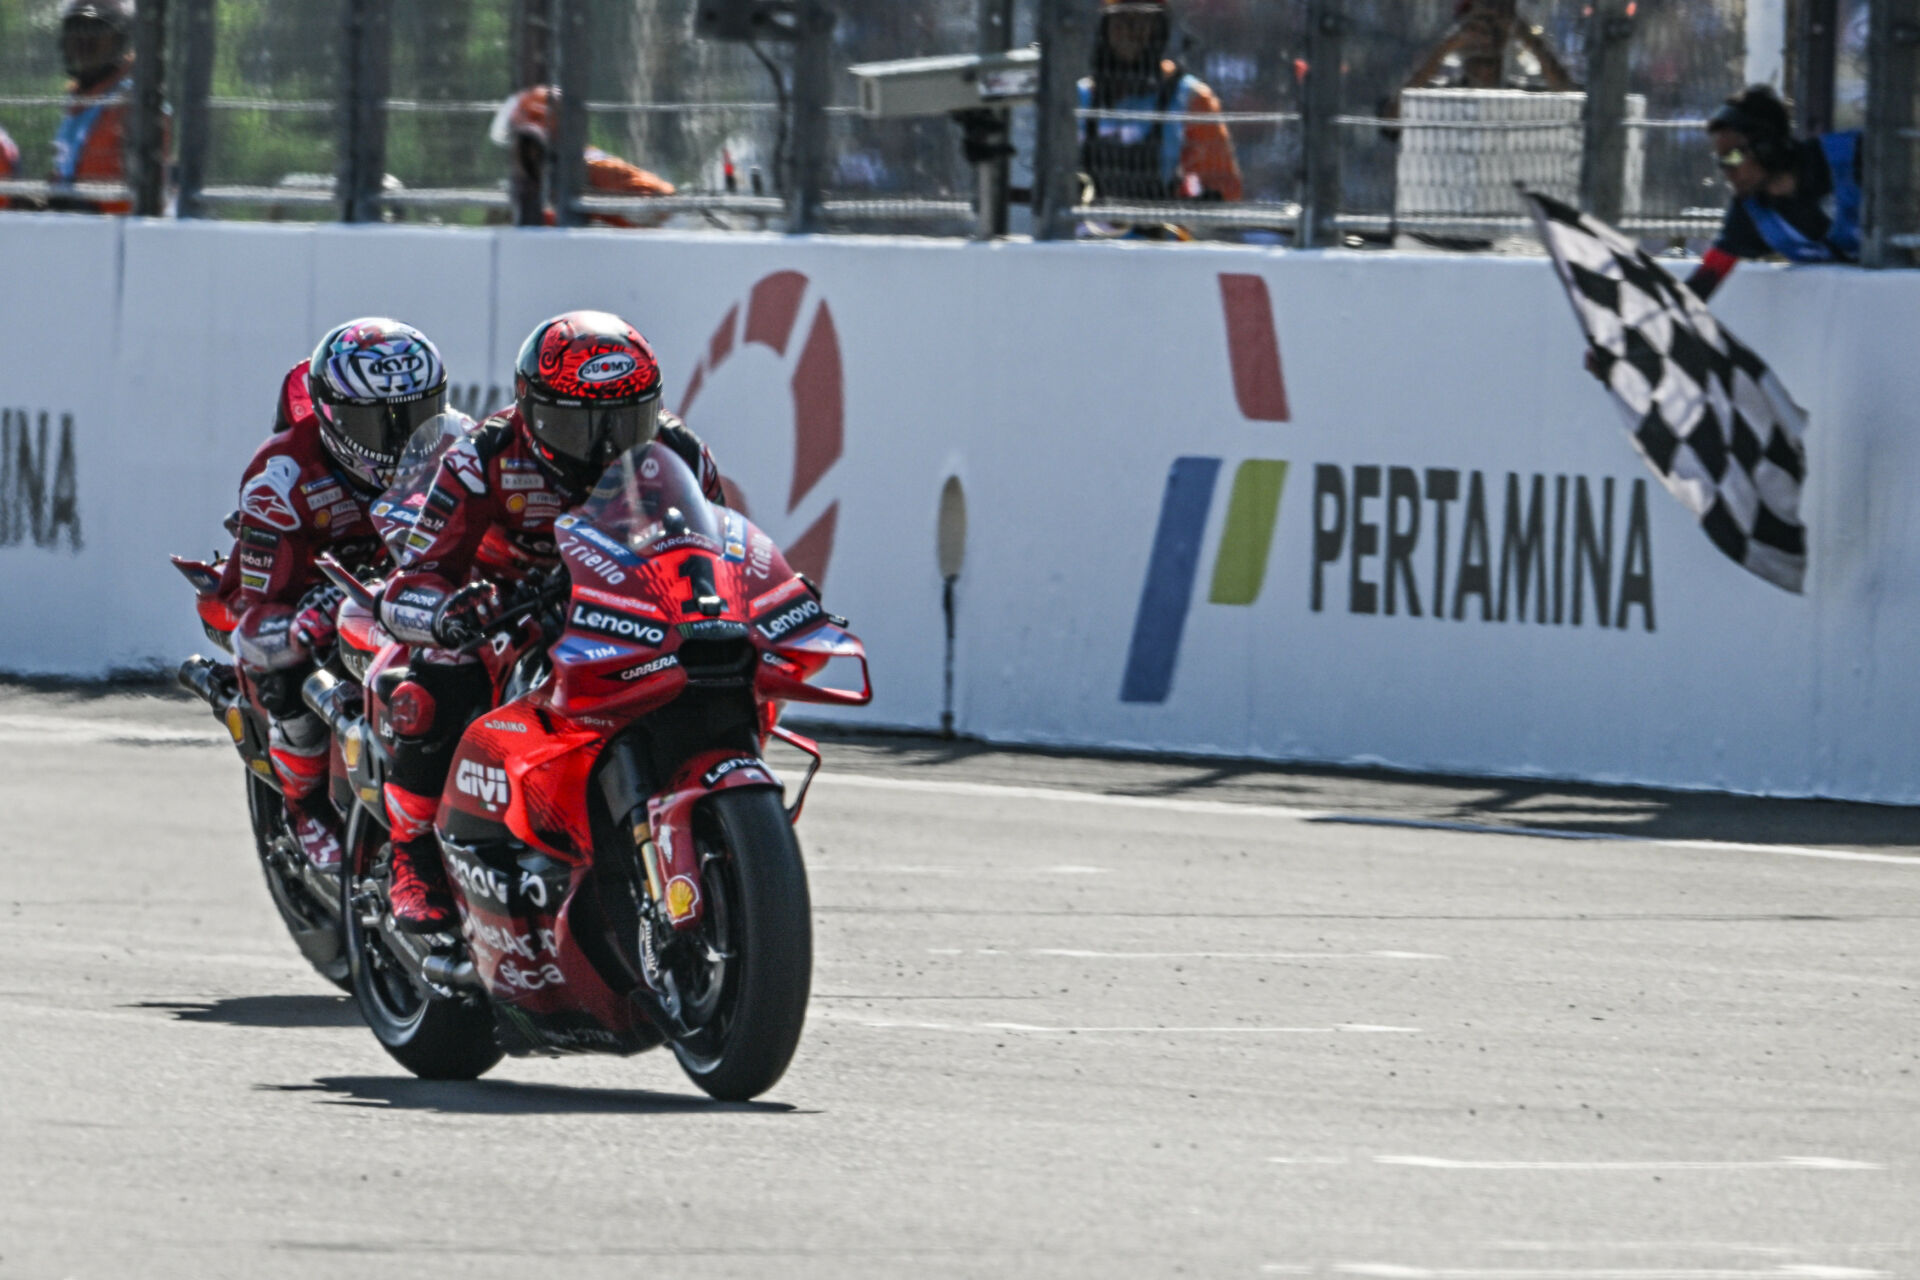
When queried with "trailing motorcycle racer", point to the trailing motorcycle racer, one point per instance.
{"points": [[344, 416], [586, 389]]}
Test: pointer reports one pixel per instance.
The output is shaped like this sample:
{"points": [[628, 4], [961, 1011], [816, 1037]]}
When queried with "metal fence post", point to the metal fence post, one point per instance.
{"points": [[996, 36], [147, 149], [1320, 130], [532, 43], [1603, 152], [1066, 29], [567, 163], [1817, 40], [812, 91], [1887, 162], [190, 117], [368, 50]]}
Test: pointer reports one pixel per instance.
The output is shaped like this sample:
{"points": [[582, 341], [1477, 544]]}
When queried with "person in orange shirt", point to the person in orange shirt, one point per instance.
{"points": [[1151, 160], [96, 43], [524, 123]]}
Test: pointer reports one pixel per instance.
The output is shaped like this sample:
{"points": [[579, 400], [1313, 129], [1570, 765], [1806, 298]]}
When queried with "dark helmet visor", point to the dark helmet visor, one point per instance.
{"points": [[382, 430], [591, 434]]}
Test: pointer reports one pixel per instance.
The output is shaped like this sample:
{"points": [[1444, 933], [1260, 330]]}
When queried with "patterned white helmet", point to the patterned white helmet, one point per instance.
{"points": [[373, 382]]}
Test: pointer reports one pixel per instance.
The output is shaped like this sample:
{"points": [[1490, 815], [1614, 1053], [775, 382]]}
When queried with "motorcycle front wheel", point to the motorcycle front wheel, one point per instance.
{"points": [[314, 931], [745, 979], [433, 1038]]}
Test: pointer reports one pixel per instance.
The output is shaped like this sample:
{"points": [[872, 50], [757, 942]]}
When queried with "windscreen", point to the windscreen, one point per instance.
{"points": [[399, 507], [648, 501]]}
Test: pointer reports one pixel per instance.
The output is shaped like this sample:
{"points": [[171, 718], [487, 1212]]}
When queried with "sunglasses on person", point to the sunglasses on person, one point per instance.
{"points": [[1731, 158]]}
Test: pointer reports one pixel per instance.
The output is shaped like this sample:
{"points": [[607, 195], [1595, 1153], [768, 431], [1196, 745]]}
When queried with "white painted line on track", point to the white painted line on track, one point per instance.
{"points": [[1225, 808], [1229, 955], [1787, 1271], [1828, 1163], [1028, 1028]]}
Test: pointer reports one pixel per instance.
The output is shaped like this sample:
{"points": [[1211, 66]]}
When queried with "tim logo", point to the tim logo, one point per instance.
{"points": [[1240, 565], [483, 782]]}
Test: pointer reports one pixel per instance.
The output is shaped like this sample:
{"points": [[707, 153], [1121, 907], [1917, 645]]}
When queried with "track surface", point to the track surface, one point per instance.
{"points": [[1072, 1018]]}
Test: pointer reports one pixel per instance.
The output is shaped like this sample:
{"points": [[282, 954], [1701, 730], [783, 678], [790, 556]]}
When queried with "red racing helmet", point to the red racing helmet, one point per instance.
{"points": [[588, 389]]}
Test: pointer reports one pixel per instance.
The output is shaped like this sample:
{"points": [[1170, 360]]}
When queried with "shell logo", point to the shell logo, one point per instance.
{"points": [[814, 410]]}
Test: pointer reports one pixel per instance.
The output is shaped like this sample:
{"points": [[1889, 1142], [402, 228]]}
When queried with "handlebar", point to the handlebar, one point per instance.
{"points": [[553, 589], [367, 597]]}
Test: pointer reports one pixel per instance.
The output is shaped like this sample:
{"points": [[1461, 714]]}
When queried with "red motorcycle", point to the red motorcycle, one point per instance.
{"points": [[623, 861]]}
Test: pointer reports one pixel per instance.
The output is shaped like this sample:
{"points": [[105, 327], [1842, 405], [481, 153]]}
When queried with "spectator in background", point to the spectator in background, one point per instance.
{"points": [[1151, 160], [1796, 197], [96, 43], [524, 123]]}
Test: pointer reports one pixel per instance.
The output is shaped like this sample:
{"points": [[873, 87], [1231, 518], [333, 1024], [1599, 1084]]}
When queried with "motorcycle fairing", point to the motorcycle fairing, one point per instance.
{"points": [[676, 861]]}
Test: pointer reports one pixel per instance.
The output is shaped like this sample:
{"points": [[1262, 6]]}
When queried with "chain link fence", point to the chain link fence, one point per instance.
{"points": [[272, 137], [1423, 114]]}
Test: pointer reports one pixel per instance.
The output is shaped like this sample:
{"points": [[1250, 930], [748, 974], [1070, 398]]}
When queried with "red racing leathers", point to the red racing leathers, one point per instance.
{"points": [[488, 516], [294, 504]]}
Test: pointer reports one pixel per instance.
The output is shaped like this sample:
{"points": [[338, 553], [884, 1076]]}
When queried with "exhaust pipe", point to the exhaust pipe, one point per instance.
{"points": [[334, 700], [211, 682], [445, 971]]}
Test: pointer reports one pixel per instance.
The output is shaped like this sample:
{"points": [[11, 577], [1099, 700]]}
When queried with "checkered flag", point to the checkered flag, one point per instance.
{"points": [[1706, 413]]}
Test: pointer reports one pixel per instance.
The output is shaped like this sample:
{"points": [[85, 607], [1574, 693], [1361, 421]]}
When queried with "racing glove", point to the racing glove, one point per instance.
{"points": [[464, 616], [315, 626]]}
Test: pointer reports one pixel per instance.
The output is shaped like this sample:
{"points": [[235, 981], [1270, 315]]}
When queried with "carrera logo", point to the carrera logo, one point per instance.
{"points": [[646, 669], [611, 367], [790, 620], [618, 625], [484, 783]]}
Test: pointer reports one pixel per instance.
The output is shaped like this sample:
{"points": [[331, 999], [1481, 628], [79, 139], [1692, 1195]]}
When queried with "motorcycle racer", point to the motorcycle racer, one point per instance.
{"points": [[586, 389], [343, 417]]}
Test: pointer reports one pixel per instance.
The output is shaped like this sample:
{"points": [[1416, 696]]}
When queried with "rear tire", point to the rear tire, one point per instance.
{"points": [[433, 1038], [756, 895]]}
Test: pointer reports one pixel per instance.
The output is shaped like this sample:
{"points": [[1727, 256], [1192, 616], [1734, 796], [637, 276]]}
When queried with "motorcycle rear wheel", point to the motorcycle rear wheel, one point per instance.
{"points": [[315, 932], [433, 1038], [759, 917]]}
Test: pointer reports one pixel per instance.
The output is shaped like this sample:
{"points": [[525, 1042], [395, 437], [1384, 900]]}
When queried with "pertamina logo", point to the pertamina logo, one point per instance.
{"points": [[1429, 542], [747, 360], [483, 782]]}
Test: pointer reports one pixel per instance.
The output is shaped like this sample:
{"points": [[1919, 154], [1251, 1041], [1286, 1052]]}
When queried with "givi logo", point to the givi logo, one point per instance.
{"points": [[813, 413]]}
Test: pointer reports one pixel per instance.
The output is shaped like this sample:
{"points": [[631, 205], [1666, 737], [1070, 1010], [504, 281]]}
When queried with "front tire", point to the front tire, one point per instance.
{"points": [[433, 1038], [316, 933], [758, 916]]}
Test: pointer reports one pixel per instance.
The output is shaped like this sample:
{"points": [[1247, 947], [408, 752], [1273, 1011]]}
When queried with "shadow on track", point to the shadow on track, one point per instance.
{"points": [[1360, 793], [507, 1098], [262, 1011]]}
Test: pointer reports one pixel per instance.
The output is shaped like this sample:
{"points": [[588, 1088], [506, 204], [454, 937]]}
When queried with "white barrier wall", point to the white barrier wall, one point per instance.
{"points": [[1163, 453]]}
